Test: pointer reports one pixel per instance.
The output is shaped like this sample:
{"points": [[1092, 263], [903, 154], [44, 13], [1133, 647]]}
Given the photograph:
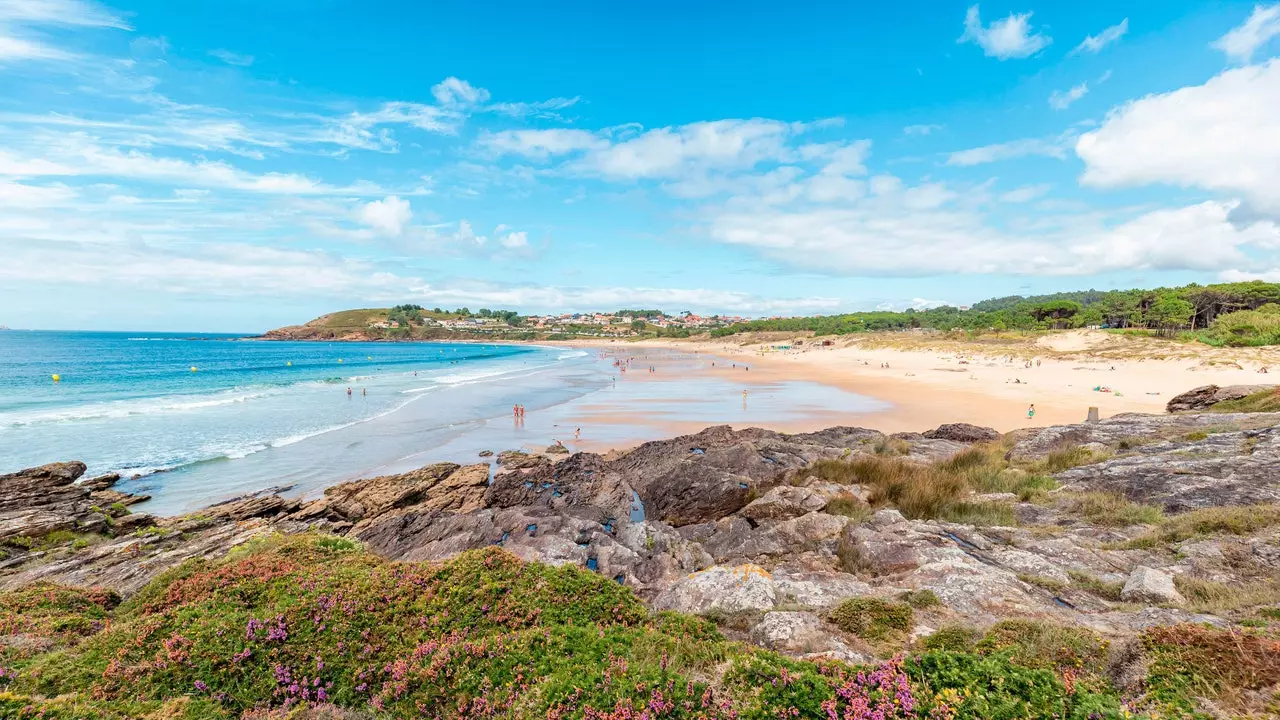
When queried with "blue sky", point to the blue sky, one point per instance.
{"points": [[238, 165]]}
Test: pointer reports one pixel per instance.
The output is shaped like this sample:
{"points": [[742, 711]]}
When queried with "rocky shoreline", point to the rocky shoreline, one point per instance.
{"points": [[1116, 526]]}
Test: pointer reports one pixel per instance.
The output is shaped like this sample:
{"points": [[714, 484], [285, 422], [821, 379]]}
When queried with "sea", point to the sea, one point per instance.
{"points": [[195, 419]]}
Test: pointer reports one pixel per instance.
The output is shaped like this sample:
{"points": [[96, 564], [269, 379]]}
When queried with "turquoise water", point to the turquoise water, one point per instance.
{"points": [[131, 403], [256, 414]]}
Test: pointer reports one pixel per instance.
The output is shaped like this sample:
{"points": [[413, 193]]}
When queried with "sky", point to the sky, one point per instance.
{"points": [[237, 165]]}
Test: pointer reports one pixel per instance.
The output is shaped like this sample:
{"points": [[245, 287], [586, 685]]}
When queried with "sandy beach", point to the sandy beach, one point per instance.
{"points": [[928, 381]]}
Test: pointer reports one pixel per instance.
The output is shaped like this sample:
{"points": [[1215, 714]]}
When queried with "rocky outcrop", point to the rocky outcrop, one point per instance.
{"points": [[1196, 471], [963, 433], [1205, 397], [39, 501], [727, 523]]}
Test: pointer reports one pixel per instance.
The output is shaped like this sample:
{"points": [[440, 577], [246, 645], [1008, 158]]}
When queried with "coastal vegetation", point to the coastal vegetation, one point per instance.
{"points": [[315, 621], [1228, 314]]}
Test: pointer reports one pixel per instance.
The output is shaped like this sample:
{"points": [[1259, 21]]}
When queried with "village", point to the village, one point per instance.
{"points": [[622, 323]]}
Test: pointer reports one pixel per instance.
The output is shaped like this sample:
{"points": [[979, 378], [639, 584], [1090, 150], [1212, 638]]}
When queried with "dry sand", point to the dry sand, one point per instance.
{"points": [[931, 380]]}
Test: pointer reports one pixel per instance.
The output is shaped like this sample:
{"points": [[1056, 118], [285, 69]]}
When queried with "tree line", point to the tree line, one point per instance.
{"points": [[1243, 313]]}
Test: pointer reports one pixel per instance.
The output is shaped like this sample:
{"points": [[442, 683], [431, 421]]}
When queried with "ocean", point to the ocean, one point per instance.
{"points": [[191, 420]]}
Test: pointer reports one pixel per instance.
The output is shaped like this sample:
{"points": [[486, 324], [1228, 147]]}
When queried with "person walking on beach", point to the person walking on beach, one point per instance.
{"points": [[1031, 412], [577, 434], [348, 392], [364, 392]]}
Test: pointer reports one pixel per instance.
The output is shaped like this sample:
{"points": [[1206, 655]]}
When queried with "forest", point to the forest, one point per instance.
{"points": [[1225, 314]]}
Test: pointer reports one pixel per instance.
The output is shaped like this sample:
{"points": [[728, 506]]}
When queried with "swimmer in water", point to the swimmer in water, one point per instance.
{"points": [[348, 392]]}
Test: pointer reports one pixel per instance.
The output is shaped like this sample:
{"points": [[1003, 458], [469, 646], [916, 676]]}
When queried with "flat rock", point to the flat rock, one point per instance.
{"points": [[1206, 396]]}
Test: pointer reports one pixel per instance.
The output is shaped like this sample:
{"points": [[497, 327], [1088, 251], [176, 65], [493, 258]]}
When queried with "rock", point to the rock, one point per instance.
{"points": [[798, 633], [101, 482], [44, 486], [126, 524], [1207, 396], [556, 450], [1151, 586], [1224, 468], [816, 589], [445, 485], [963, 432], [784, 502], [486, 453], [886, 517], [253, 506], [721, 589], [876, 553]]}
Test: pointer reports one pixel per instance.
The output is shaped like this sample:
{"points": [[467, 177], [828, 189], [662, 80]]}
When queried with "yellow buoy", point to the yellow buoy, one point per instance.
{"points": [[339, 359], [193, 368], [370, 357], [57, 378], [289, 364]]}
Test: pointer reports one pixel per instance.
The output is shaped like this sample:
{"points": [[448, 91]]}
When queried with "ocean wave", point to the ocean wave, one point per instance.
{"points": [[252, 447], [136, 407], [571, 355]]}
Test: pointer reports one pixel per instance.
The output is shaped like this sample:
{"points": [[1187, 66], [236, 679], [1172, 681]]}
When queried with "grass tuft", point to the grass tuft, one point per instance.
{"points": [[1109, 509]]}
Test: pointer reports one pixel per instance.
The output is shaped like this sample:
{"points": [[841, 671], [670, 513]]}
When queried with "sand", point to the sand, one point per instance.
{"points": [[931, 380]]}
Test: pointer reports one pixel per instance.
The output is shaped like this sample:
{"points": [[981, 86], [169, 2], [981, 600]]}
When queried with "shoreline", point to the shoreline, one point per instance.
{"points": [[941, 382]]}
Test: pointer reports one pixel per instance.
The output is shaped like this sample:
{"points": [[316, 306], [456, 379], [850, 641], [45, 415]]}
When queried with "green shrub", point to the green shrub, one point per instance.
{"points": [[920, 599], [952, 638], [1035, 644], [873, 619]]}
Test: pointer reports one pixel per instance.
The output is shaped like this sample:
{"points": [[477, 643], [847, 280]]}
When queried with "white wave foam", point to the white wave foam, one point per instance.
{"points": [[141, 406], [571, 355]]}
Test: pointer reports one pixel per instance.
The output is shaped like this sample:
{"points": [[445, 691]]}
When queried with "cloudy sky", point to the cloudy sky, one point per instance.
{"points": [[238, 165]]}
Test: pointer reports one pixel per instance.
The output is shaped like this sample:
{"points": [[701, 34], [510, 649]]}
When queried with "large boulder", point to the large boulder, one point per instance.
{"points": [[1206, 396], [963, 432]]}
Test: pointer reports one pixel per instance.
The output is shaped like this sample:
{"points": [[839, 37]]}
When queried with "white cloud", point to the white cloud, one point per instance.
{"points": [[888, 234], [541, 144], [514, 240], [76, 157], [232, 58], [1008, 151], [534, 297], [1243, 41], [1004, 39], [921, 129], [1095, 43], [1059, 100], [1272, 275], [1223, 135], [388, 216], [60, 12], [452, 91], [16, 48], [541, 109], [1026, 193]]}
